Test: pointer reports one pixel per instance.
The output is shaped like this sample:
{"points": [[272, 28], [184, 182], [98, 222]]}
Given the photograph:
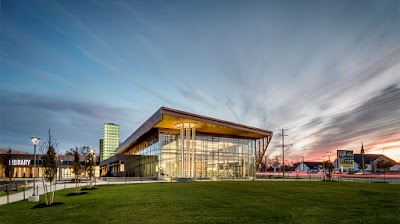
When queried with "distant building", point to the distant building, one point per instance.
{"points": [[307, 166], [372, 160], [5, 151], [180, 145], [23, 164], [348, 162], [101, 149], [110, 140]]}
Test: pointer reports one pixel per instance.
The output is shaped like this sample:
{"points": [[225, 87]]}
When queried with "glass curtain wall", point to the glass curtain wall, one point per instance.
{"points": [[149, 159], [215, 157], [148, 151]]}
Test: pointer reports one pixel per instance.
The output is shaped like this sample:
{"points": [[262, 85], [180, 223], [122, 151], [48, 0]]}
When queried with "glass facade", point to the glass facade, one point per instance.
{"points": [[214, 157]]}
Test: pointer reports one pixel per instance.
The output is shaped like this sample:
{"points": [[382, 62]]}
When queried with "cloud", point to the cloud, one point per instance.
{"points": [[374, 118], [73, 121]]}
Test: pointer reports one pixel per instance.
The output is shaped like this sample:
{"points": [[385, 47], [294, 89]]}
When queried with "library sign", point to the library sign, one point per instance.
{"points": [[19, 162]]}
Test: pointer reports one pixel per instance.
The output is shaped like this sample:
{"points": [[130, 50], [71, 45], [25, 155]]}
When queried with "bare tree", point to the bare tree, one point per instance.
{"points": [[49, 167], [275, 162]]}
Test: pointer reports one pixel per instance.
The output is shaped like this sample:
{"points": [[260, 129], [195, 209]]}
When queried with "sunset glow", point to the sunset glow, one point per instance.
{"points": [[327, 72]]}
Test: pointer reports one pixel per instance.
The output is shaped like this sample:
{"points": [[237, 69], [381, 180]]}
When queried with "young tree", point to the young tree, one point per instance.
{"points": [[275, 162], [76, 167], [8, 168], [329, 168], [383, 165], [362, 166], [294, 165], [49, 167], [90, 166]]}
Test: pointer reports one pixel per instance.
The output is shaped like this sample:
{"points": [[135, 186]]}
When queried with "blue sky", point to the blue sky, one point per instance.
{"points": [[328, 71]]}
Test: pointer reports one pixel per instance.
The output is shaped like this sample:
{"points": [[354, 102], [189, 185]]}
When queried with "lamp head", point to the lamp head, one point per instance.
{"points": [[35, 140]]}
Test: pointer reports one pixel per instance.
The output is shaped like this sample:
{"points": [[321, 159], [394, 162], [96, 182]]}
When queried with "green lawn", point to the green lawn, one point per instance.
{"points": [[219, 202]]}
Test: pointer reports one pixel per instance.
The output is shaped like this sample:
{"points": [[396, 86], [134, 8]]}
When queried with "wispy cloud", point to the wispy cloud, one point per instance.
{"points": [[28, 113]]}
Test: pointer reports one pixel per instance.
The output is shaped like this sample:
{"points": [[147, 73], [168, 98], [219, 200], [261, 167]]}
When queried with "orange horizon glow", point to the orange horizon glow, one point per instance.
{"points": [[388, 148]]}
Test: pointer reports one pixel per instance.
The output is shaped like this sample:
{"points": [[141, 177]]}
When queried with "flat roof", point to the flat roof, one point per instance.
{"points": [[167, 118]]}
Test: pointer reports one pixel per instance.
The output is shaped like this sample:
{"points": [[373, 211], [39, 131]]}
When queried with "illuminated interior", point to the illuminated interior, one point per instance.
{"points": [[215, 157], [177, 144]]}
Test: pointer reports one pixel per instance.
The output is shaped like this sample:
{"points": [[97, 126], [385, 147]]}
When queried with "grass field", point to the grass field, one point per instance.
{"points": [[219, 202]]}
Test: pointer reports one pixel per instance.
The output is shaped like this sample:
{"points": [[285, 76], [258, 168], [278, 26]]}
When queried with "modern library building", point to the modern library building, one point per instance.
{"points": [[178, 144]]}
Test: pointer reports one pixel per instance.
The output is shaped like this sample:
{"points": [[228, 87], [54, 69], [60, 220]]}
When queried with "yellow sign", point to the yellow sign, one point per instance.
{"points": [[346, 164]]}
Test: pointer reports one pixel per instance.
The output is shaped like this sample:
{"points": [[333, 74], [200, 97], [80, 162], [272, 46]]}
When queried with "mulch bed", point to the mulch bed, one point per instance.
{"points": [[75, 194], [43, 205]]}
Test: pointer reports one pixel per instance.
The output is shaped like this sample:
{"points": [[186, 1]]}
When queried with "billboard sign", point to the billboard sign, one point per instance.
{"points": [[346, 164], [345, 154]]}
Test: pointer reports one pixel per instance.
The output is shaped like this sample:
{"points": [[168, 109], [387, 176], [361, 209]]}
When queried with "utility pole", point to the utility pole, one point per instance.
{"points": [[283, 151]]}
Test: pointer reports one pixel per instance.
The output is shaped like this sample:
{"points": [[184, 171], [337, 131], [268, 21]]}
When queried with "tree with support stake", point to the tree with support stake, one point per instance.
{"points": [[89, 167], [49, 168], [76, 168]]}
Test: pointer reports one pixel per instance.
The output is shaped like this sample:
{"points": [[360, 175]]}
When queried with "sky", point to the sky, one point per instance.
{"points": [[327, 71]]}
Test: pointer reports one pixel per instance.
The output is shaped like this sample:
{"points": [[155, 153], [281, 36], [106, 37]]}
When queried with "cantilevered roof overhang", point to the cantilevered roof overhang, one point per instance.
{"points": [[167, 118]]}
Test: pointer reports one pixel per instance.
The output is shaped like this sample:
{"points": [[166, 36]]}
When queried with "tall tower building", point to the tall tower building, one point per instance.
{"points": [[110, 140]]}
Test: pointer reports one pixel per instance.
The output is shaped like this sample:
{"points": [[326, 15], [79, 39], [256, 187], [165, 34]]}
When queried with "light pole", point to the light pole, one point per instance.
{"points": [[329, 155], [323, 162], [57, 164], [302, 166], [91, 165], [34, 197], [60, 170]]}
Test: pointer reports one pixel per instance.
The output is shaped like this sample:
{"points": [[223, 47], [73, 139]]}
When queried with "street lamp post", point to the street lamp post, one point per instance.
{"points": [[323, 166], [60, 171], [57, 164], [34, 197], [329, 165]]}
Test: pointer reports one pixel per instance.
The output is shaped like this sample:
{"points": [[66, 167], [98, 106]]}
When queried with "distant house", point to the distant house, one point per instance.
{"points": [[372, 160], [305, 166]]}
